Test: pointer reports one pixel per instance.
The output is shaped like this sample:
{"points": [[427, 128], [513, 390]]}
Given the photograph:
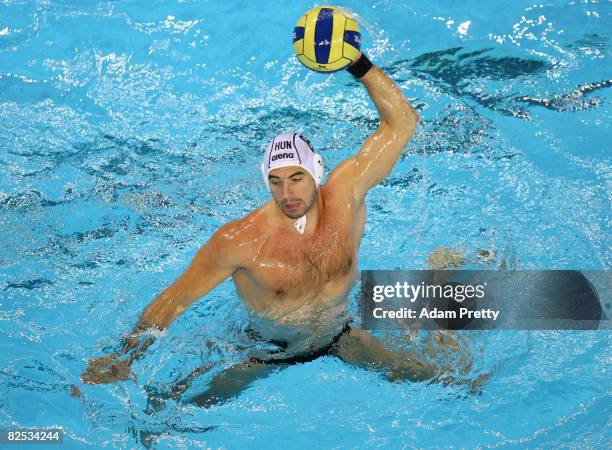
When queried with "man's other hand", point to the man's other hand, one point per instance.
{"points": [[107, 369]]}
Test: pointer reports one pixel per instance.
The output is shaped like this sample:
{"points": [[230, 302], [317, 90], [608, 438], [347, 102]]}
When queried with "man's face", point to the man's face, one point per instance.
{"points": [[293, 190]]}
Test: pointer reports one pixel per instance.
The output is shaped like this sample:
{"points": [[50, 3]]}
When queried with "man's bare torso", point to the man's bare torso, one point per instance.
{"points": [[296, 285]]}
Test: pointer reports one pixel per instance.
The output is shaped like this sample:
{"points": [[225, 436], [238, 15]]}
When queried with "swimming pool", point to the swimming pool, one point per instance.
{"points": [[130, 131]]}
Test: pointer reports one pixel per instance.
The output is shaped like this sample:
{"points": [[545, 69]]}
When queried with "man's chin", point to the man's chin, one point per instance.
{"points": [[294, 214]]}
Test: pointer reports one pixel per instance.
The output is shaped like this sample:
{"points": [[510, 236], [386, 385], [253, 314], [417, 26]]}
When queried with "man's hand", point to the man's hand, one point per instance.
{"points": [[107, 369], [457, 369]]}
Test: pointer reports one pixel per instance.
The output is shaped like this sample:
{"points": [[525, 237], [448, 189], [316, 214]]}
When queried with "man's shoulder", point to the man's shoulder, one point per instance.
{"points": [[343, 171], [235, 243], [237, 232], [340, 180]]}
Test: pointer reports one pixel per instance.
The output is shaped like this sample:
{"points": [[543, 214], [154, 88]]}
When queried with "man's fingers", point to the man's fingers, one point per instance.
{"points": [[109, 376], [106, 370], [101, 361]]}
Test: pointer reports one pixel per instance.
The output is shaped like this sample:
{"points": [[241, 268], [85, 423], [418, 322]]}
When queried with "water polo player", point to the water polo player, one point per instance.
{"points": [[294, 259]]}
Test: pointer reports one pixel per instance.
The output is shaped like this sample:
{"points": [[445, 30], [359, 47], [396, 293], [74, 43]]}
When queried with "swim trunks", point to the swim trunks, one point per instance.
{"points": [[329, 349]]}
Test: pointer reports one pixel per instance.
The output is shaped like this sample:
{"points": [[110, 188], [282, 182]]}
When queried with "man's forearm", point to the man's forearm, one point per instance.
{"points": [[393, 107], [157, 315]]}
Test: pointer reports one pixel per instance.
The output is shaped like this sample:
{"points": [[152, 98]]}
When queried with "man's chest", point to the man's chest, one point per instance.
{"points": [[289, 265], [292, 267]]}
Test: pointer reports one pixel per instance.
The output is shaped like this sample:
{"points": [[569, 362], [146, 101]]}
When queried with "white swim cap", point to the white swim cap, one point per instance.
{"points": [[292, 149]]}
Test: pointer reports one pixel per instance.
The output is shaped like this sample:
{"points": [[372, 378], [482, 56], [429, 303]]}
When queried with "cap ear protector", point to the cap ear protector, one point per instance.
{"points": [[319, 168], [319, 171], [263, 175]]}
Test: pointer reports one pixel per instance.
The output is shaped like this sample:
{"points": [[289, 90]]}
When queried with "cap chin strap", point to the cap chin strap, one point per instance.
{"points": [[300, 224], [319, 169]]}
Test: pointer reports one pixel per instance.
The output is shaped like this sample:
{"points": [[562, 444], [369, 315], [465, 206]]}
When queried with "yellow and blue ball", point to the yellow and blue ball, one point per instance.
{"points": [[326, 40]]}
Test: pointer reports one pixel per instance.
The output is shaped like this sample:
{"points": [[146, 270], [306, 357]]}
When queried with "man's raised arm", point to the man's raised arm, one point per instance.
{"points": [[382, 149], [213, 263]]}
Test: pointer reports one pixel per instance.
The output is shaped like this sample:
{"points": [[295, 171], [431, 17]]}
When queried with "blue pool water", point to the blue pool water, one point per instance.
{"points": [[130, 131]]}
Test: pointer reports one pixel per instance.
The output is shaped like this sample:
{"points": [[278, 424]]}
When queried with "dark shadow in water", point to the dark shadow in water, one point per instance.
{"points": [[27, 200], [149, 438], [28, 284], [455, 70], [574, 101], [589, 42], [403, 182]]}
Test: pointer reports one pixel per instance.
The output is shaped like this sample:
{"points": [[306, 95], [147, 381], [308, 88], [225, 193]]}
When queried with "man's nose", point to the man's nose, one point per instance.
{"points": [[287, 192]]}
